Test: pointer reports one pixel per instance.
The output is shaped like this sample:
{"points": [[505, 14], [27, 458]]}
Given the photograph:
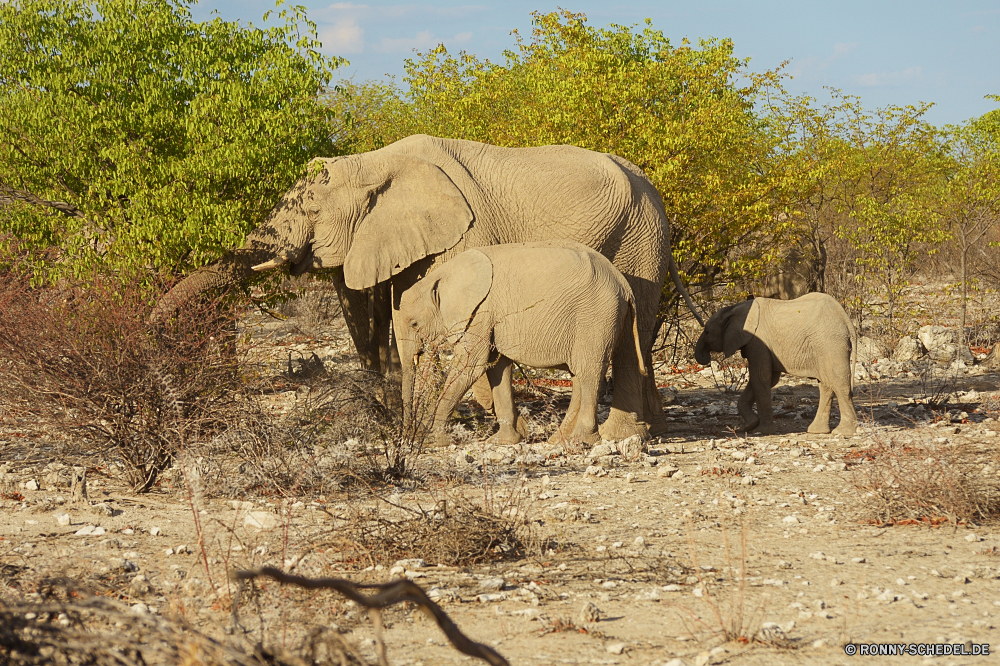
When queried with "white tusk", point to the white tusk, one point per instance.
{"points": [[277, 262]]}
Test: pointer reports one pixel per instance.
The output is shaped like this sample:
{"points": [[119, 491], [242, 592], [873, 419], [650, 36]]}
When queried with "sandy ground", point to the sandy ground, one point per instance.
{"points": [[748, 532]]}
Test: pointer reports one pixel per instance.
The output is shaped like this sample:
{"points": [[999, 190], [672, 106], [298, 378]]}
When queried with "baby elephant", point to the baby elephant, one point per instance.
{"points": [[810, 336], [551, 304]]}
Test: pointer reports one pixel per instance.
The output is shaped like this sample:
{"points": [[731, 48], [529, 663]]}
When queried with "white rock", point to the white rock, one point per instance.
{"points": [[492, 584], [31, 485], [155, 531], [971, 538], [790, 519], [86, 530], [639, 542], [615, 648], [140, 608], [675, 662], [63, 519], [932, 337], [98, 531], [600, 450], [666, 471], [261, 520], [491, 597]]}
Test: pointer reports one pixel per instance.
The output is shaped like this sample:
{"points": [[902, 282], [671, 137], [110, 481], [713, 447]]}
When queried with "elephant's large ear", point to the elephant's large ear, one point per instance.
{"points": [[741, 327], [460, 286], [416, 211]]}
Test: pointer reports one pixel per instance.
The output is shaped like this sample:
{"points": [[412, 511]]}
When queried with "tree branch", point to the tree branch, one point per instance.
{"points": [[27, 197]]}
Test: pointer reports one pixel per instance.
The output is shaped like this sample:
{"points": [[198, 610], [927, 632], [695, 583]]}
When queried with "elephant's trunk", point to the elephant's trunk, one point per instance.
{"points": [[283, 237], [701, 353]]}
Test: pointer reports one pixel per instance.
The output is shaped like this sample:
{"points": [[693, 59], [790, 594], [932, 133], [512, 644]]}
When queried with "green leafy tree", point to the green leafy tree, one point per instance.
{"points": [[970, 202], [133, 139], [685, 114]]}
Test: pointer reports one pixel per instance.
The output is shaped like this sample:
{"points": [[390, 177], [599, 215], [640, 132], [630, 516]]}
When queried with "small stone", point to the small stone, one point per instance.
{"points": [[140, 608], [738, 455], [639, 542], [155, 531], [794, 453], [858, 560], [104, 508], [972, 538], [86, 530], [491, 597], [31, 485], [98, 531], [819, 643], [771, 632], [590, 613], [615, 648], [492, 584], [63, 519], [596, 470], [666, 471], [630, 478], [790, 519], [819, 468]]}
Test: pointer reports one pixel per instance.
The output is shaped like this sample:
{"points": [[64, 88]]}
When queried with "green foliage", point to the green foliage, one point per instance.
{"points": [[133, 139], [683, 114]]}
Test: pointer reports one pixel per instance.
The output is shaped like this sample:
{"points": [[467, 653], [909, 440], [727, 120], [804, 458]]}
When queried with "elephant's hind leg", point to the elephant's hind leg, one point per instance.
{"points": [[821, 424], [848, 418], [563, 432]]}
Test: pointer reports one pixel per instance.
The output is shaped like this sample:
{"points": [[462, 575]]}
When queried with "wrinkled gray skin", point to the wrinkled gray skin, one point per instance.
{"points": [[391, 215], [552, 304], [810, 337]]}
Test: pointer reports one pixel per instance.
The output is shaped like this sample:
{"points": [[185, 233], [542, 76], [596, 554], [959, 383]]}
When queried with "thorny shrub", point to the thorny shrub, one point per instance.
{"points": [[84, 359], [908, 482], [451, 527]]}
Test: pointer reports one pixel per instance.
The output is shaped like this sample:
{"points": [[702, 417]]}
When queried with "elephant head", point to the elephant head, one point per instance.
{"points": [[440, 306], [728, 330], [375, 214], [438, 309]]}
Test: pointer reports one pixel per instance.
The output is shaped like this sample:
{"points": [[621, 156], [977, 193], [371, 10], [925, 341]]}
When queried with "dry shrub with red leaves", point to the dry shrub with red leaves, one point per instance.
{"points": [[85, 360], [925, 482]]}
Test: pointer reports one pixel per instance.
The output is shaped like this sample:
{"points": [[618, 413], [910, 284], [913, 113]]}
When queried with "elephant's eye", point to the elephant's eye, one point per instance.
{"points": [[312, 210], [413, 324]]}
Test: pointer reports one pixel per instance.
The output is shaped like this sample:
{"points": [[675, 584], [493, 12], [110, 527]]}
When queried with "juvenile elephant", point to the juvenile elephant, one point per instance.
{"points": [[389, 216], [551, 304], [810, 336]]}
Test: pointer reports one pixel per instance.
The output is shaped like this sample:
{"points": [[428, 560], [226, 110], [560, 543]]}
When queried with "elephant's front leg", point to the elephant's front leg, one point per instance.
{"points": [[468, 364], [821, 424], [745, 408], [499, 375], [761, 369]]}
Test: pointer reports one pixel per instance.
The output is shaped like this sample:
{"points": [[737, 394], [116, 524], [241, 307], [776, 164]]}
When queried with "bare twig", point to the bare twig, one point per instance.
{"points": [[388, 594]]}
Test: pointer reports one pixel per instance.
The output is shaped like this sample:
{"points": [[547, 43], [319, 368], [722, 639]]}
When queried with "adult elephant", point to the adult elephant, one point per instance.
{"points": [[390, 215]]}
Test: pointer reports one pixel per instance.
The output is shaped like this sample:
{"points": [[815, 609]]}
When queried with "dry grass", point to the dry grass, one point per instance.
{"points": [[906, 482]]}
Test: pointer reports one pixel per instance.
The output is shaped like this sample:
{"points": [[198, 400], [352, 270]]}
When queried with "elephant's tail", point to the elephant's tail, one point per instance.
{"points": [[854, 348], [635, 337]]}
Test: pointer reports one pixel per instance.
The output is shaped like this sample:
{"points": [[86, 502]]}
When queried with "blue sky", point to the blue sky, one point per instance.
{"points": [[886, 52]]}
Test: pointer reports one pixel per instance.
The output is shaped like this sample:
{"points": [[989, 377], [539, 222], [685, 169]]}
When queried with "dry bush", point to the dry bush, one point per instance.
{"points": [[450, 528], [64, 624], [911, 482], [84, 360], [313, 301]]}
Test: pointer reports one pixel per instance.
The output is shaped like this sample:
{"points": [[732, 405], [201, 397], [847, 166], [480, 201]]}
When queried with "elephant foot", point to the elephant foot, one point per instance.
{"points": [[438, 440], [818, 428], [766, 429], [622, 425], [749, 424], [846, 429], [506, 436]]}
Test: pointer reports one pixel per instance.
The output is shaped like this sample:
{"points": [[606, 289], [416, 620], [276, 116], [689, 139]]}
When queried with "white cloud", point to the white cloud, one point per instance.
{"points": [[423, 40], [344, 36], [891, 78]]}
